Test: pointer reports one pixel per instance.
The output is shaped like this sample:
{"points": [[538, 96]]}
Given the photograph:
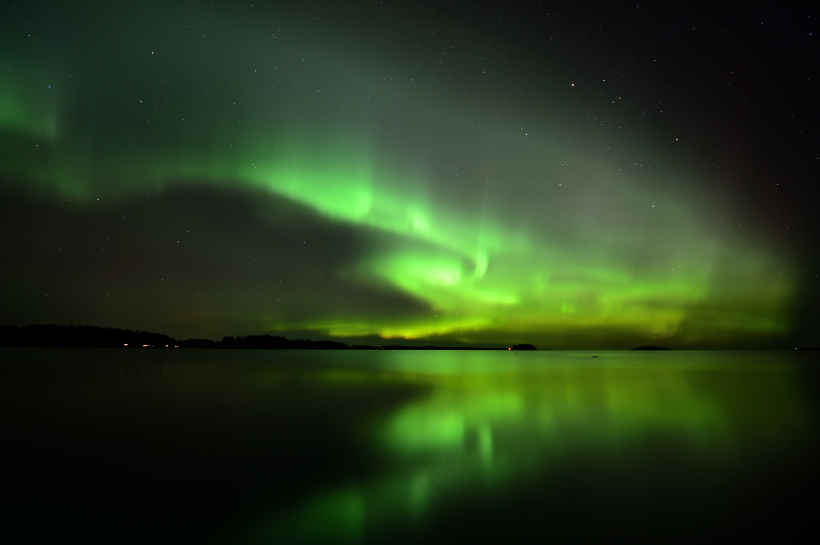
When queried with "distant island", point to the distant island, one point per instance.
{"points": [[523, 347], [650, 347], [71, 336]]}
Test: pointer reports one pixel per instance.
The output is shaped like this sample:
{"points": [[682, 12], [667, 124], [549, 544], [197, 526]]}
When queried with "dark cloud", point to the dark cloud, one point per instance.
{"points": [[453, 172]]}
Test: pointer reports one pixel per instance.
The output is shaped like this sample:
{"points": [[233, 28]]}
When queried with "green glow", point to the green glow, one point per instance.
{"points": [[520, 240], [342, 516], [493, 426], [27, 105], [476, 273]]}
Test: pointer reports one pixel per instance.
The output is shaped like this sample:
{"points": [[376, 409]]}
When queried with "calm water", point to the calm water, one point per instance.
{"points": [[278, 447]]}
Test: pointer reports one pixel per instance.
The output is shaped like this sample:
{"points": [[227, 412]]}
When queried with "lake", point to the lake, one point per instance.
{"points": [[210, 446]]}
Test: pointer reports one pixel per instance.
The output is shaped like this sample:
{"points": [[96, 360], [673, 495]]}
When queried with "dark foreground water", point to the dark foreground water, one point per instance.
{"points": [[173, 446]]}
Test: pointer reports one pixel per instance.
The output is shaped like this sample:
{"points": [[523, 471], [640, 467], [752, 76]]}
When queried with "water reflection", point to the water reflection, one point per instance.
{"points": [[491, 425], [218, 446]]}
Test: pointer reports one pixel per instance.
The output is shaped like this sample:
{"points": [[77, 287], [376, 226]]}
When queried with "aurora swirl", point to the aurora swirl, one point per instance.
{"points": [[486, 203]]}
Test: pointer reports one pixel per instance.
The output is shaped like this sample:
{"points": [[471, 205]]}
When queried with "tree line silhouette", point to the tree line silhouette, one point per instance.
{"points": [[71, 336]]}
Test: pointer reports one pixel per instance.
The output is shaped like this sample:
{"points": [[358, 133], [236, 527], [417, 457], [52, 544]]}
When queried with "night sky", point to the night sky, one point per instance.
{"points": [[563, 174]]}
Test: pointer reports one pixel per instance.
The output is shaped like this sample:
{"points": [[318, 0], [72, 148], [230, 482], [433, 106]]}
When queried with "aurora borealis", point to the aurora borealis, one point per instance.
{"points": [[387, 170]]}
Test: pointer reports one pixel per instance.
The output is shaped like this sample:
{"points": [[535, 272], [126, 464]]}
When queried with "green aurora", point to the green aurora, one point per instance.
{"points": [[490, 206]]}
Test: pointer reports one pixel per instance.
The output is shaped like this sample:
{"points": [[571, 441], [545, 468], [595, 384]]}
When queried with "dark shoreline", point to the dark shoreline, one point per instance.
{"points": [[71, 336]]}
